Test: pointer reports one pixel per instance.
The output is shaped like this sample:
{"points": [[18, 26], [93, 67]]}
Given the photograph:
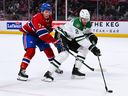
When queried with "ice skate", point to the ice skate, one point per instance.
{"points": [[76, 74], [47, 77], [22, 76]]}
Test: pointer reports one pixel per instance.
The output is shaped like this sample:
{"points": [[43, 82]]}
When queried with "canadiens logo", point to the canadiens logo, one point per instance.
{"points": [[31, 42]]}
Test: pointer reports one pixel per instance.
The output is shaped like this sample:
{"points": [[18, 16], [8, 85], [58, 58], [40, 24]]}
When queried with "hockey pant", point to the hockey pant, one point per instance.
{"points": [[63, 55]]}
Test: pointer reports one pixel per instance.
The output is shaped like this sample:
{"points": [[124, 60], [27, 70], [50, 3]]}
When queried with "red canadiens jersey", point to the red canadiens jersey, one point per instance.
{"points": [[38, 22], [39, 26]]}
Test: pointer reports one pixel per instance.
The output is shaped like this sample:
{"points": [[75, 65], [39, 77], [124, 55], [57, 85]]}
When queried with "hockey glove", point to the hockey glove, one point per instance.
{"points": [[58, 45], [93, 38], [95, 50], [50, 29]]}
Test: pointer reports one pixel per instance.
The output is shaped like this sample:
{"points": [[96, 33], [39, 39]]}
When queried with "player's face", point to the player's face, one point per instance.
{"points": [[47, 13], [84, 21]]}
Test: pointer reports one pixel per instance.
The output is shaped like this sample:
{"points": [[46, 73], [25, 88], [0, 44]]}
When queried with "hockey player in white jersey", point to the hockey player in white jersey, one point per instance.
{"points": [[76, 36]]}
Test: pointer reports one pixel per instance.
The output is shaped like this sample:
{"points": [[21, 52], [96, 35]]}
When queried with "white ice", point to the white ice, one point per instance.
{"points": [[114, 59]]}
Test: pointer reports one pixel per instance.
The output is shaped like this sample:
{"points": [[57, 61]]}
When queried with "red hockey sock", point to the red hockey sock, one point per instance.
{"points": [[24, 65], [30, 52]]}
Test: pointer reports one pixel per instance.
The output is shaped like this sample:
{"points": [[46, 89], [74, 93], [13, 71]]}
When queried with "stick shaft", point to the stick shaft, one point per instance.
{"points": [[102, 74], [92, 69]]}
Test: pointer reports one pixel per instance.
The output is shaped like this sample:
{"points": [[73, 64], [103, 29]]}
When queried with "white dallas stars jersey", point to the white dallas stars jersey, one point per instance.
{"points": [[75, 30]]}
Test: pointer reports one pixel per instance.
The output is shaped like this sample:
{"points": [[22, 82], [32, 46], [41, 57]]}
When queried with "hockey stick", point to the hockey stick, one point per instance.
{"points": [[110, 91]]}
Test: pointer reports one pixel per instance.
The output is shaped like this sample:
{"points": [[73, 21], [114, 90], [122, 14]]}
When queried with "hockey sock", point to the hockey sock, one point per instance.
{"points": [[79, 61], [54, 65], [27, 57]]}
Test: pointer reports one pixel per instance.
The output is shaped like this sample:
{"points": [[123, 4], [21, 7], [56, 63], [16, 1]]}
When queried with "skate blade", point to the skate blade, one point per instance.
{"points": [[77, 77], [22, 78], [47, 79]]}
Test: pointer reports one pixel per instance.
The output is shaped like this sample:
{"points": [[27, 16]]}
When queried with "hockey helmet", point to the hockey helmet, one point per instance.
{"points": [[45, 6], [84, 13]]}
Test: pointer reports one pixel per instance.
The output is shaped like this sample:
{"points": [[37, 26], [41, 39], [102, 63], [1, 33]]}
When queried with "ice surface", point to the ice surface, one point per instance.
{"points": [[114, 59]]}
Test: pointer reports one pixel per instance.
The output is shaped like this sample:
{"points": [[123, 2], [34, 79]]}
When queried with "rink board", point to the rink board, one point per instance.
{"points": [[98, 34], [100, 28]]}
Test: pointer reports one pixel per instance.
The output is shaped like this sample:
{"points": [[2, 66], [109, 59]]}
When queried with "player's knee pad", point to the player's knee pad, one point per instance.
{"points": [[30, 52]]}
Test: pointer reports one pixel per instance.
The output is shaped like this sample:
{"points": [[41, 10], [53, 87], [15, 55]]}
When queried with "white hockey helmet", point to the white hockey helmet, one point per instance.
{"points": [[84, 13]]}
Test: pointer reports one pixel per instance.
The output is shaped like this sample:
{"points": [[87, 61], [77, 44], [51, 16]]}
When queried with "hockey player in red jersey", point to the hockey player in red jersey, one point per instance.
{"points": [[37, 33]]}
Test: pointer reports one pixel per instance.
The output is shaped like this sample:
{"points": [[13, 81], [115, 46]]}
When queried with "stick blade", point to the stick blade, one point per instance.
{"points": [[110, 91]]}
